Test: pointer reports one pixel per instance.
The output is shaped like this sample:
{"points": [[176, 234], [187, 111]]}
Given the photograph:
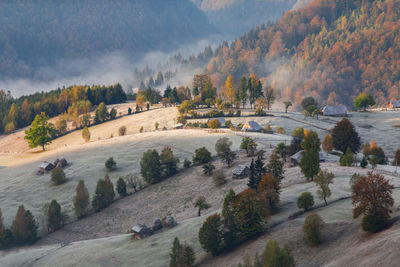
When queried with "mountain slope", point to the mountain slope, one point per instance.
{"points": [[235, 17], [331, 50], [40, 32]]}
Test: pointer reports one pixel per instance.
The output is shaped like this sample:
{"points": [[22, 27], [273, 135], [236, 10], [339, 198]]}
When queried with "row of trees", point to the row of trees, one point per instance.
{"points": [[20, 112]]}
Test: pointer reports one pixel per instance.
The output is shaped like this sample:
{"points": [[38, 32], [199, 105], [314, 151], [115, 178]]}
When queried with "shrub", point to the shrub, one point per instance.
{"points": [[347, 159], [54, 216], [104, 194], [214, 124], [273, 255], [150, 166], [280, 130], [9, 128], [141, 129], [121, 187], [181, 255], [305, 201], [201, 204], [327, 144], [210, 235], [201, 155], [58, 176], [259, 112], [24, 227], [129, 111], [86, 134], [122, 131], [228, 124], [156, 125], [364, 162], [219, 178], [187, 163], [110, 164], [81, 200], [312, 228], [208, 169], [374, 222]]}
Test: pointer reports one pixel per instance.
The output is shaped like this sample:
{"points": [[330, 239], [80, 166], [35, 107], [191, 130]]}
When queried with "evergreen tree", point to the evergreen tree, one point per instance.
{"points": [[81, 200], [121, 187], [24, 227], [168, 162], [309, 162], [41, 132], [275, 166], [110, 164], [259, 168], [104, 194], [210, 234], [181, 255], [243, 91], [253, 178], [54, 216], [228, 215], [150, 166], [101, 113]]}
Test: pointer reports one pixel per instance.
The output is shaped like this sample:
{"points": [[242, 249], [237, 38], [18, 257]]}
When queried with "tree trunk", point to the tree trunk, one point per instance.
{"points": [[43, 147], [199, 212]]}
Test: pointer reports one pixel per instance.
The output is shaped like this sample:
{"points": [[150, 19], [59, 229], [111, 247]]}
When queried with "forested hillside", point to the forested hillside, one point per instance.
{"points": [[331, 50], [41, 32], [235, 17]]}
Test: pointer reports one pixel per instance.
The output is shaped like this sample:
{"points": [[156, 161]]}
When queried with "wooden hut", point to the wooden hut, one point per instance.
{"points": [[252, 126]]}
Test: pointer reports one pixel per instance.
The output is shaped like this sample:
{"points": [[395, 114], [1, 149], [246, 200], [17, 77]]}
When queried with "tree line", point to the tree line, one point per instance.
{"points": [[19, 112]]}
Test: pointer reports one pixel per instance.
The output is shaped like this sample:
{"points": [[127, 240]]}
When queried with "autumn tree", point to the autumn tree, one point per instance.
{"points": [[230, 91], [201, 204], [81, 200], [344, 135], [269, 189], [250, 213], [86, 134], [150, 166], [327, 143], [101, 113], [372, 197], [210, 234], [309, 162], [312, 228], [41, 132], [214, 124], [323, 180], [24, 227]]}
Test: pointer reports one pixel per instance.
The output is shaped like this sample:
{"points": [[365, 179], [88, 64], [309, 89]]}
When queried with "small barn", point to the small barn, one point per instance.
{"points": [[252, 126], [141, 231], [177, 126], [295, 159], [240, 172], [335, 111], [394, 104], [45, 167]]}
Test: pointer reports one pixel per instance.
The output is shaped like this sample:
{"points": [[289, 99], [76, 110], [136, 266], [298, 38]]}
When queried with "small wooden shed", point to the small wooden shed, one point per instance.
{"points": [[252, 126], [46, 167], [240, 172], [141, 231]]}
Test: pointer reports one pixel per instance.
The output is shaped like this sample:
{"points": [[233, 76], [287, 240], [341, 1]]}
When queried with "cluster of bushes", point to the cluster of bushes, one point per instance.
{"points": [[374, 154], [197, 125]]}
